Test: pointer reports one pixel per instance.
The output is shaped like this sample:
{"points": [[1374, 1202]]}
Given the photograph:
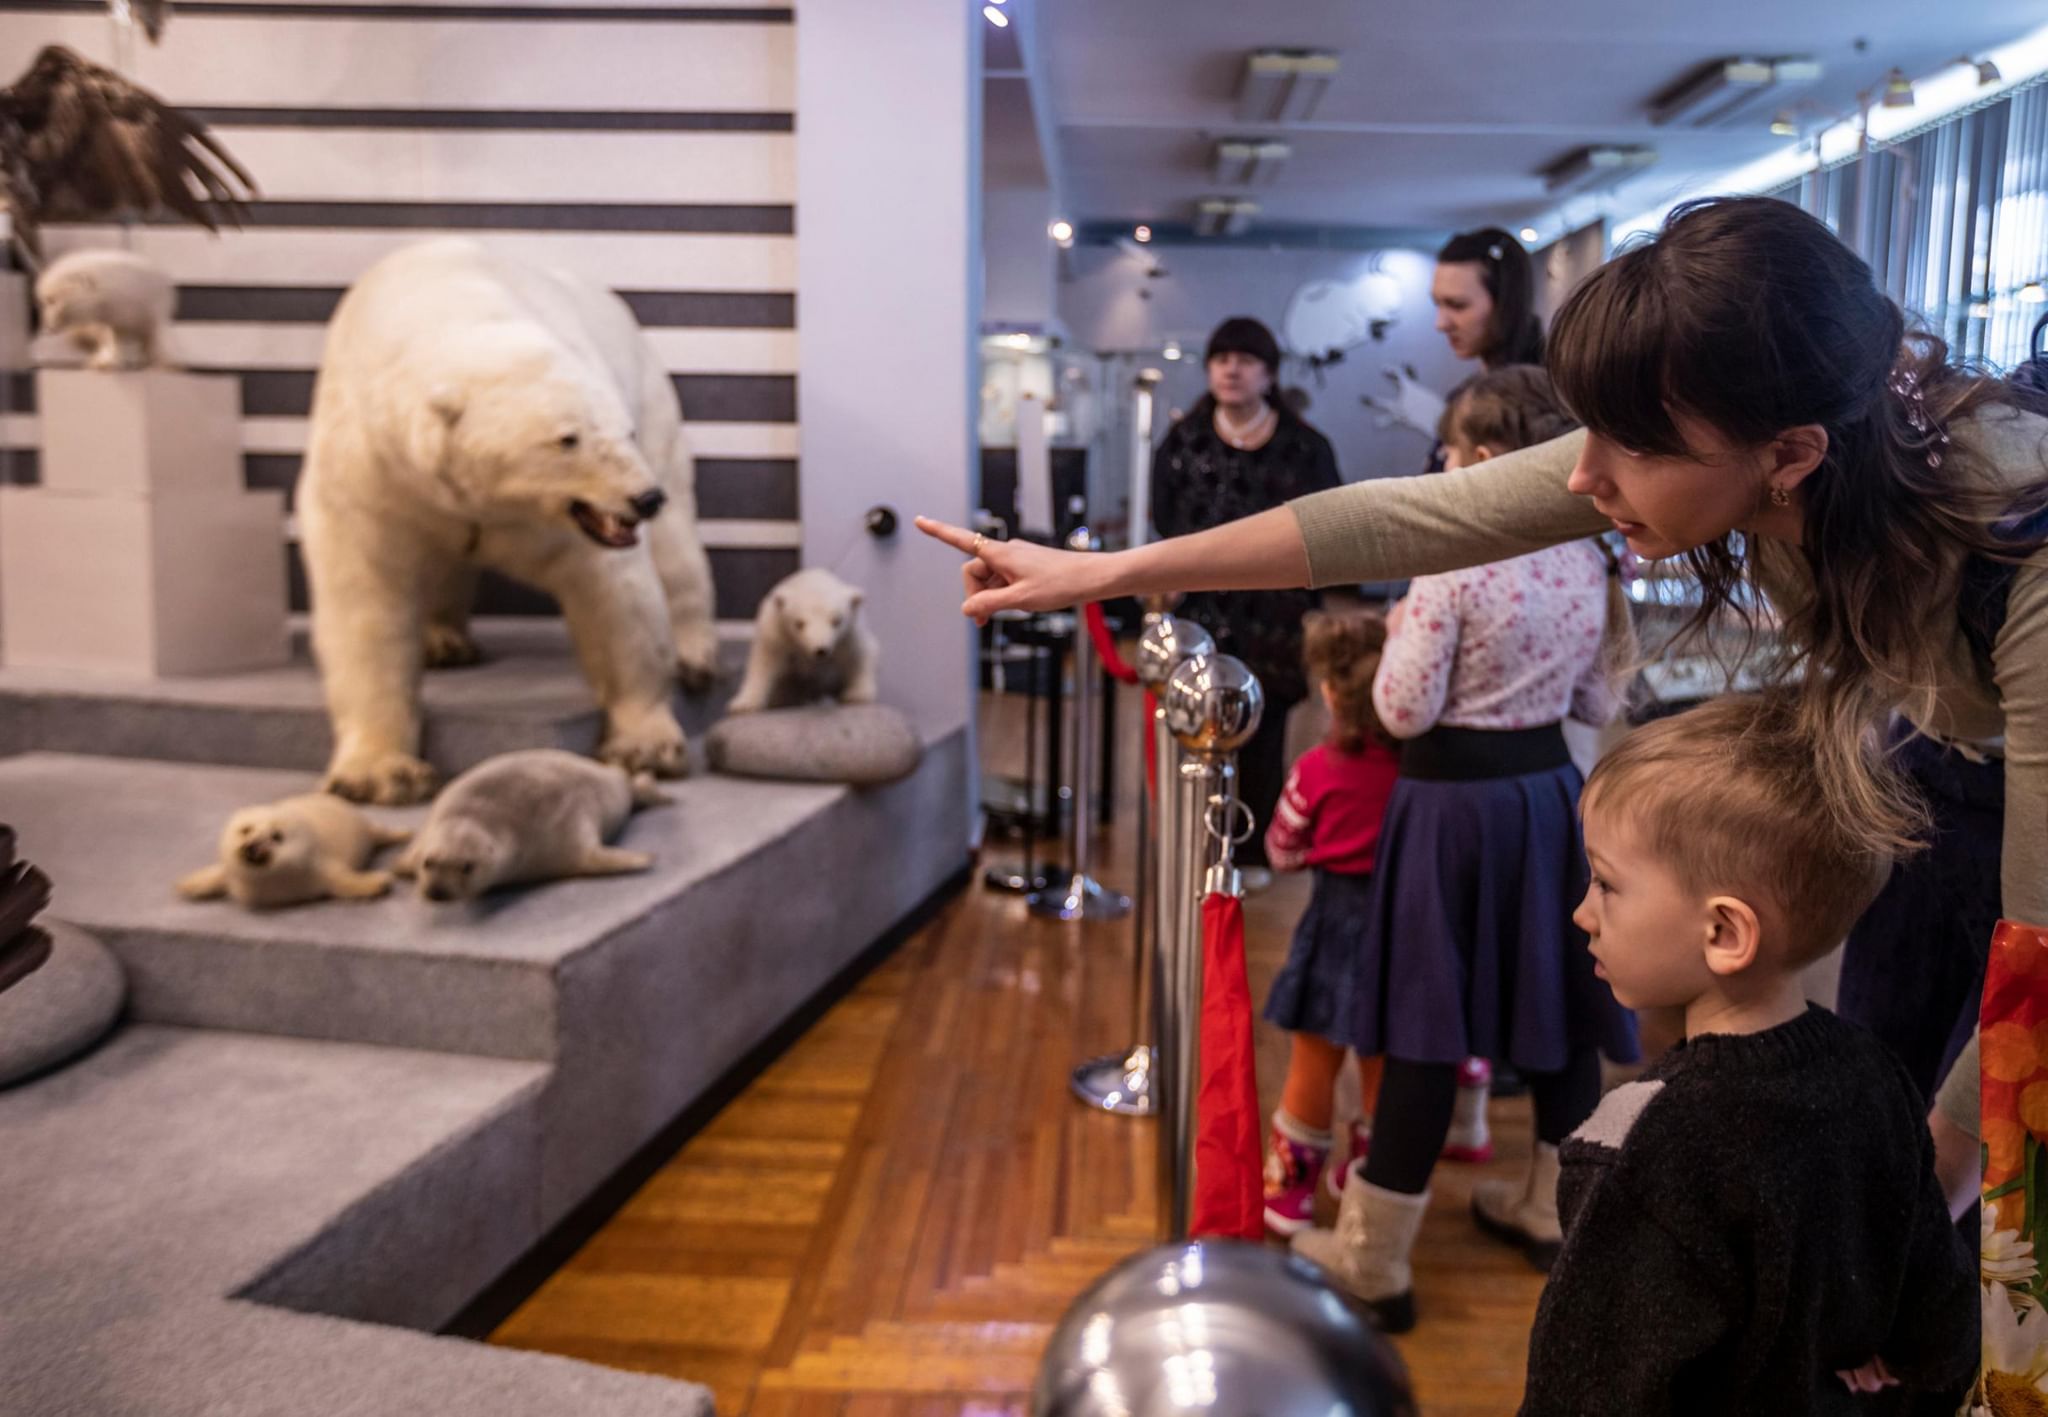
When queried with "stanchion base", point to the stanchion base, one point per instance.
{"points": [[1117, 1082], [1079, 899], [1011, 876]]}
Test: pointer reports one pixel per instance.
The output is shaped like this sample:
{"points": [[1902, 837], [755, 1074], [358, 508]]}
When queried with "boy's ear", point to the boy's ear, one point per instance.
{"points": [[1734, 935]]}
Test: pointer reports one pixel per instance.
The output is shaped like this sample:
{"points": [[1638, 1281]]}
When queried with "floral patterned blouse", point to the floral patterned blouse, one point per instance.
{"points": [[1514, 644]]}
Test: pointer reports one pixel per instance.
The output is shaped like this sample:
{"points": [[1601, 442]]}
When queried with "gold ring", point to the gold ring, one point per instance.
{"points": [[979, 537]]}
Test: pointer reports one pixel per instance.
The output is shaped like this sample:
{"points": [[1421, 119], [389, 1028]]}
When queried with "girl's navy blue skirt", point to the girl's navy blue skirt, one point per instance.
{"points": [[1312, 992], [1469, 949]]}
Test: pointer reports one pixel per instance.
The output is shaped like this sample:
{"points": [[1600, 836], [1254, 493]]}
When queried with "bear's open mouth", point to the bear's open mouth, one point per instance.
{"points": [[605, 528]]}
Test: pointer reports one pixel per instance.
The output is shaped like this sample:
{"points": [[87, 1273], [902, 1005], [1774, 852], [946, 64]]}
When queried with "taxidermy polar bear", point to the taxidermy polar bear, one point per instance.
{"points": [[808, 645], [111, 304], [474, 411]]}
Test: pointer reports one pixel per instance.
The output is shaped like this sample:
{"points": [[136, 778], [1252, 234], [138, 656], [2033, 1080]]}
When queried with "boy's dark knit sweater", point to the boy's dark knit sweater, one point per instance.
{"points": [[1754, 1214]]}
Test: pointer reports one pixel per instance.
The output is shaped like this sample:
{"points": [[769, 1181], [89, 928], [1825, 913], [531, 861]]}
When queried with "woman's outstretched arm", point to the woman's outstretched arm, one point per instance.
{"points": [[1386, 530], [1262, 552]]}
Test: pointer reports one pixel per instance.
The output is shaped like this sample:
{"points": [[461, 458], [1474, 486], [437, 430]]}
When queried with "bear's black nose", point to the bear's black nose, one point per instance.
{"points": [[438, 893], [648, 503], [255, 853]]}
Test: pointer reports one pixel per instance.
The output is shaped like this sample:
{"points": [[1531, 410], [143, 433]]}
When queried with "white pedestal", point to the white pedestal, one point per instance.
{"points": [[143, 586], [143, 431]]}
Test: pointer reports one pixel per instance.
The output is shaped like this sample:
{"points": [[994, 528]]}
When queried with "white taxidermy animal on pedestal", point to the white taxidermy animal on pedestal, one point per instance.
{"points": [[474, 411], [297, 850], [525, 817], [114, 305], [809, 645]]}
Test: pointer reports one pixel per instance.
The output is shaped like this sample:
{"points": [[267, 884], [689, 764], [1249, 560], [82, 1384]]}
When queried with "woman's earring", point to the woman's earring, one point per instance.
{"points": [[1780, 497]]}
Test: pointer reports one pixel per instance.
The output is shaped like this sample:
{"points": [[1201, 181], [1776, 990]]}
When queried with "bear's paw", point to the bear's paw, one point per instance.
{"points": [[391, 780], [659, 749]]}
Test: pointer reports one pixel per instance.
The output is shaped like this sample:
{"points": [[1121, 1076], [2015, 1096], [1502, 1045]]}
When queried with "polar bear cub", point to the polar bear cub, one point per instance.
{"points": [[114, 305], [526, 817], [293, 851], [809, 644]]}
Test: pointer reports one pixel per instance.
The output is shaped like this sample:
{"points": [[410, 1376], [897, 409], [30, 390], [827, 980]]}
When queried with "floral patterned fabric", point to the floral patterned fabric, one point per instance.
{"points": [[1514, 644], [2014, 1047]]}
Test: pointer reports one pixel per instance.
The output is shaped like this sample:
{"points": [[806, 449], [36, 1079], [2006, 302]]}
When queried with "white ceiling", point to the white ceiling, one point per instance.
{"points": [[1443, 110]]}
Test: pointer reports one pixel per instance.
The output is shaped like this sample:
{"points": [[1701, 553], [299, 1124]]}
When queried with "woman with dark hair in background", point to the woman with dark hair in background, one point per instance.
{"points": [[1484, 291], [1242, 450]]}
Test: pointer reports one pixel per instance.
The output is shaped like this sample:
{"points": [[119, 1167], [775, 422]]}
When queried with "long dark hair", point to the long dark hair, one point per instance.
{"points": [[1747, 313], [1515, 332]]}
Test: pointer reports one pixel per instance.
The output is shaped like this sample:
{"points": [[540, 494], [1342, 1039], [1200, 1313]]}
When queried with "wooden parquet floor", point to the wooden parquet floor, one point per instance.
{"points": [[892, 1217]]}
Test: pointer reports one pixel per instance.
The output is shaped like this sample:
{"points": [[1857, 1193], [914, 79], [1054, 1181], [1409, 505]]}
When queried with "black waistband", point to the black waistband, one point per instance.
{"points": [[1476, 754]]}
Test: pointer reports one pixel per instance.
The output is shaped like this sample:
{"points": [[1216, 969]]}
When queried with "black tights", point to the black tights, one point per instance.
{"points": [[1413, 1115]]}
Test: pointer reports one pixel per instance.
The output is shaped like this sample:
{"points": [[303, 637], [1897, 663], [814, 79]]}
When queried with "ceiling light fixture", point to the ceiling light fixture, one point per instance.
{"points": [[1898, 90], [1247, 162], [1061, 231], [2032, 293], [1529, 235], [1726, 92], [996, 17], [1224, 216], [1171, 351], [1142, 233], [1785, 125], [1587, 169], [1284, 85]]}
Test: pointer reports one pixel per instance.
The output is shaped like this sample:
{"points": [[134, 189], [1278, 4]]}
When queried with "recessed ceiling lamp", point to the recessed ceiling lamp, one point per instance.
{"points": [[1785, 125], [1727, 92], [1284, 85], [996, 17], [1141, 233], [1171, 351], [1898, 90], [1980, 309], [1588, 169], [1061, 231], [1248, 162], [2033, 293], [1529, 235], [1224, 216]]}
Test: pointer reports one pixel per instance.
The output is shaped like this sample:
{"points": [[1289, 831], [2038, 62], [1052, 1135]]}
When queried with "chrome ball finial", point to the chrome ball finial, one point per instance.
{"points": [[1166, 641], [1213, 704], [1220, 1329]]}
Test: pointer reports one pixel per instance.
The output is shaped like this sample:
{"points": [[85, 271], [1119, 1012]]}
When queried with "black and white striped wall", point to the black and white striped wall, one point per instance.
{"points": [[649, 147]]}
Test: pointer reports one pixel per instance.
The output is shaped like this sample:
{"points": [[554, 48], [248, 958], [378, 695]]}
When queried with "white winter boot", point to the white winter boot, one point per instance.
{"points": [[1368, 1251], [1524, 1216]]}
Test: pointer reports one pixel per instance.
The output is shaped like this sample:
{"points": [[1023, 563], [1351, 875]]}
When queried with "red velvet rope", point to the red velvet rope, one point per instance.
{"points": [[1229, 1197], [1105, 647]]}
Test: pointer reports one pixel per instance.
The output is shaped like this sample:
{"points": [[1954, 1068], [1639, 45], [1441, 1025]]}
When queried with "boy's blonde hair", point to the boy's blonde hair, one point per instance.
{"points": [[1731, 798]]}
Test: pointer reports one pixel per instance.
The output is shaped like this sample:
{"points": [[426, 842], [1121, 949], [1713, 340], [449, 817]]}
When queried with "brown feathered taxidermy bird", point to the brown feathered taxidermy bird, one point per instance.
{"points": [[80, 143]]}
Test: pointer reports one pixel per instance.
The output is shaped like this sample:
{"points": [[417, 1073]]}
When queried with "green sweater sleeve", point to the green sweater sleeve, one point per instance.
{"points": [[1396, 527]]}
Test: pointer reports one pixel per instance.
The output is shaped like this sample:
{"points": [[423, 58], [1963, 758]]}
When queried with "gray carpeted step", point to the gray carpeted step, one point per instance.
{"points": [[528, 694], [157, 1187], [642, 989]]}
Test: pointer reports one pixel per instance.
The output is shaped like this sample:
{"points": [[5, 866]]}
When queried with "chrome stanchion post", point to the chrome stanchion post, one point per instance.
{"points": [[1123, 1082], [1081, 898], [1212, 705]]}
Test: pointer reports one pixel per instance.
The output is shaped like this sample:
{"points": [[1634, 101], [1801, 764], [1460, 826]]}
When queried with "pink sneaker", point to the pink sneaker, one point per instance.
{"points": [[1468, 1140], [1292, 1170]]}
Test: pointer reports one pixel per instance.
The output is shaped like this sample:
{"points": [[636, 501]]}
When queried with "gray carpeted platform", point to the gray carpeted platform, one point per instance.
{"points": [[158, 1187], [366, 1111], [527, 694]]}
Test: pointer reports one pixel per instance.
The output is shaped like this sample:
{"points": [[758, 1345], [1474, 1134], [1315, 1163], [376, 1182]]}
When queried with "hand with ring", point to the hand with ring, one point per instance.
{"points": [[1019, 575]]}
